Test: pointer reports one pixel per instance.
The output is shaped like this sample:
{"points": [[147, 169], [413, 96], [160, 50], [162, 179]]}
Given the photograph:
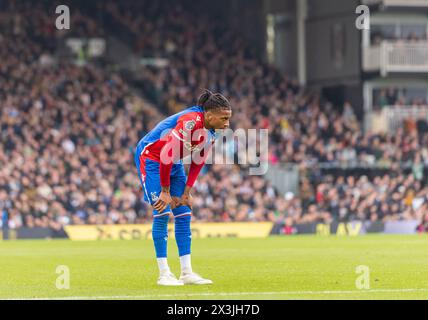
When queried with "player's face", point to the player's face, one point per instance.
{"points": [[218, 119]]}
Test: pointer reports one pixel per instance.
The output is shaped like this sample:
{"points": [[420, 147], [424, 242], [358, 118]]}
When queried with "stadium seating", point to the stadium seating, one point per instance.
{"points": [[67, 132]]}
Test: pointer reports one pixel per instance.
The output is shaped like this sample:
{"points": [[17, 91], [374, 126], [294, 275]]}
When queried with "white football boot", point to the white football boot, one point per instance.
{"points": [[169, 279], [193, 278]]}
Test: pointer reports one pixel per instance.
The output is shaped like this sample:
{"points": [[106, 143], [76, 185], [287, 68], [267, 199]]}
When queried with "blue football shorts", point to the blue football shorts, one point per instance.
{"points": [[148, 173]]}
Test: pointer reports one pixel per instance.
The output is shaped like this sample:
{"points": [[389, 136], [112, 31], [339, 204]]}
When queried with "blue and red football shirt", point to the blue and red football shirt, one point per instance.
{"points": [[175, 138]]}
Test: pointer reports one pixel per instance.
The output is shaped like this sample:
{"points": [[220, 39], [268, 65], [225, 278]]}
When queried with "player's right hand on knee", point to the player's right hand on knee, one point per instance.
{"points": [[163, 201], [175, 202]]}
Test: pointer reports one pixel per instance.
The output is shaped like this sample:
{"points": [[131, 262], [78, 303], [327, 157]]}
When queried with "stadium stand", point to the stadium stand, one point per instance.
{"points": [[68, 131]]}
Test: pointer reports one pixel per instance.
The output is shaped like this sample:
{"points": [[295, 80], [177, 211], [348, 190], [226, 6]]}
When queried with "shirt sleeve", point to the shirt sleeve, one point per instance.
{"points": [[170, 153], [196, 166]]}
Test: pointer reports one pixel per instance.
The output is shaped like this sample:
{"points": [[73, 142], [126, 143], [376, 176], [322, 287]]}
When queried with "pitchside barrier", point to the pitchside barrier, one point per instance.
{"points": [[352, 228], [144, 231], [215, 230]]}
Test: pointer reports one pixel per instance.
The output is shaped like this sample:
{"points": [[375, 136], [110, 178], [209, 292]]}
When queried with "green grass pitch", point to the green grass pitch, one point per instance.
{"points": [[296, 267]]}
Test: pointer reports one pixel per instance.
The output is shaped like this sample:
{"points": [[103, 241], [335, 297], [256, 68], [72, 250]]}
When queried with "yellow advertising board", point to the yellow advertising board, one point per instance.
{"points": [[144, 231]]}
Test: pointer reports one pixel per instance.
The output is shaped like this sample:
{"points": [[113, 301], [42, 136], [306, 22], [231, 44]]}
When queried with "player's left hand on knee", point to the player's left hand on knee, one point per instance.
{"points": [[175, 202], [187, 200]]}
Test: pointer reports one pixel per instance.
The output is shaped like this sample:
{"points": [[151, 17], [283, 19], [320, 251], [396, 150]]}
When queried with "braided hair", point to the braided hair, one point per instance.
{"points": [[213, 101]]}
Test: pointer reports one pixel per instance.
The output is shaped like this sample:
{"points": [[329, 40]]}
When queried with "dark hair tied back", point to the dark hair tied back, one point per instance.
{"points": [[213, 101]]}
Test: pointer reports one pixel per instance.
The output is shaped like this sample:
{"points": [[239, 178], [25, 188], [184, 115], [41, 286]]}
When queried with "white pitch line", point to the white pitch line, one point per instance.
{"points": [[207, 294]]}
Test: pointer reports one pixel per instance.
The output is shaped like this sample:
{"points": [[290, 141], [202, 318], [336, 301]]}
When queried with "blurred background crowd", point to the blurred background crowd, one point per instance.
{"points": [[68, 132]]}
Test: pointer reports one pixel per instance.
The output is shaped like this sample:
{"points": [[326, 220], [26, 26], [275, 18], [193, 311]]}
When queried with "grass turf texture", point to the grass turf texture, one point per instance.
{"points": [[296, 267]]}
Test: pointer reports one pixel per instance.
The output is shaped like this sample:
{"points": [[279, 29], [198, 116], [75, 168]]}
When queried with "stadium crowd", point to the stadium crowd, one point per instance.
{"points": [[302, 129], [68, 132]]}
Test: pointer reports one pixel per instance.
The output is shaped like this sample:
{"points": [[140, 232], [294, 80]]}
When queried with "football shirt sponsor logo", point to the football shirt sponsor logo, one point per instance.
{"points": [[184, 133]]}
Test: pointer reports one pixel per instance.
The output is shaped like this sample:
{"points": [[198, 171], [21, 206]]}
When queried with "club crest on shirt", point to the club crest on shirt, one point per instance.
{"points": [[189, 125]]}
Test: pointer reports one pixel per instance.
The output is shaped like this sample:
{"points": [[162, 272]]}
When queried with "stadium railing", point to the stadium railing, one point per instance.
{"points": [[396, 56]]}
